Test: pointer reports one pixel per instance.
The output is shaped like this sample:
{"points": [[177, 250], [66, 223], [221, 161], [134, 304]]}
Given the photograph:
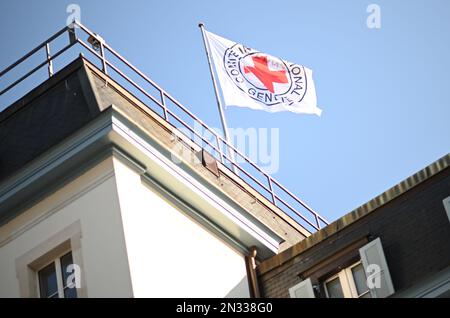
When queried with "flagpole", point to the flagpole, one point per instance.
{"points": [[219, 103]]}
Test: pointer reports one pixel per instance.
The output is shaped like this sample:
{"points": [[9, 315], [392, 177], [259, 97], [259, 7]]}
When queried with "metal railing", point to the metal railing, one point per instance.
{"points": [[274, 191]]}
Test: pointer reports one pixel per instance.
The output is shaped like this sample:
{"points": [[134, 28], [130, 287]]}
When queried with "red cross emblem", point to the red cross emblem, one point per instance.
{"points": [[264, 74]]}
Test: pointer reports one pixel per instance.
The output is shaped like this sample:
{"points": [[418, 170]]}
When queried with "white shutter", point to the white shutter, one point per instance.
{"points": [[303, 289], [446, 202], [372, 253]]}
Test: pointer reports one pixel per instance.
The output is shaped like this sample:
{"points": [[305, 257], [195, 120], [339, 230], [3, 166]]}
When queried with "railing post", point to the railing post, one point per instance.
{"points": [[219, 148], [269, 181], [49, 60], [163, 102], [72, 35], [102, 53], [317, 221]]}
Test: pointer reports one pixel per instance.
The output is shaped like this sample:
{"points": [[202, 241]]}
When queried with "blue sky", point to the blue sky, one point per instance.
{"points": [[384, 92]]}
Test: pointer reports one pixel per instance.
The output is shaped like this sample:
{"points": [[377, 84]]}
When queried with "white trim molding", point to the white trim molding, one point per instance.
{"points": [[27, 265]]}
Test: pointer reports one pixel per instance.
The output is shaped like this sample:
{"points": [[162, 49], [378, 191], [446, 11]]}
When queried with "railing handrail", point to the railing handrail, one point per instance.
{"points": [[163, 94]]}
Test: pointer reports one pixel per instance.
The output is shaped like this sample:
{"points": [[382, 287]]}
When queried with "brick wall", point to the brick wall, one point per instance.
{"points": [[414, 230]]}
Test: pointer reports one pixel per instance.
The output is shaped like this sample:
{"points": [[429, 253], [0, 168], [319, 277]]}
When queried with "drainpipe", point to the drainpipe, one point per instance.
{"points": [[250, 263]]}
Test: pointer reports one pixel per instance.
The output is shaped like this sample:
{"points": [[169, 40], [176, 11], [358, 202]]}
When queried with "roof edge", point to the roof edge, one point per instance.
{"points": [[387, 196], [37, 91]]}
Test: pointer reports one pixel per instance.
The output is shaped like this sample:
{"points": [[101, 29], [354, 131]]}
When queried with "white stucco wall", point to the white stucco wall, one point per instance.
{"points": [[92, 200], [134, 242], [170, 255]]}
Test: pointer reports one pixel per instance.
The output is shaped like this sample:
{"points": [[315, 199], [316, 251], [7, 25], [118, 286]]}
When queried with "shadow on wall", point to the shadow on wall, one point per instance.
{"points": [[240, 290]]}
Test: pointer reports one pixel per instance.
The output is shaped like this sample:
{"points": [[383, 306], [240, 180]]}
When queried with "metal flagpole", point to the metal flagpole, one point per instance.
{"points": [[219, 103]]}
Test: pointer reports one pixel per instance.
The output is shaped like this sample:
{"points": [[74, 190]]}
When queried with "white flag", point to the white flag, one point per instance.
{"points": [[253, 79]]}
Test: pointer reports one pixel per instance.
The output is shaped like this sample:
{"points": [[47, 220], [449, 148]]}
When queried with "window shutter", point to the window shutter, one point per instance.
{"points": [[372, 253], [446, 202], [303, 289]]}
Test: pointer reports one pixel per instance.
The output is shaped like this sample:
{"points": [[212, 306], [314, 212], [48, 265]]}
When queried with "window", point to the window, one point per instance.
{"points": [[348, 283], [42, 270], [54, 279], [352, 281], [365, 274]]}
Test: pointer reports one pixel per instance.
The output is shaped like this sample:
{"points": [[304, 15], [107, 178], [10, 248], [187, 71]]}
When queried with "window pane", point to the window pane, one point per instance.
{"points": [[360, 279], [69, 291], [334, 288], [66, 260], [47, 281]]}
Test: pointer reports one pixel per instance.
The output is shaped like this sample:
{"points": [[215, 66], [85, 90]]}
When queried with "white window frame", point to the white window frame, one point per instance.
{"points": [[59, 276], [347, 282], [31, 262]]}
